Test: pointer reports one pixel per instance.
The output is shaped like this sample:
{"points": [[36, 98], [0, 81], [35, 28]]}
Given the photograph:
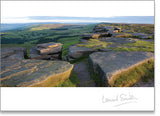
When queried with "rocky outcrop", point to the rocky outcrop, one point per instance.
{"points": [[33, 73], [98, 29], [107, 64], [95, 35], [47, 51], [108, 28], [14, 53], [16, 71]]}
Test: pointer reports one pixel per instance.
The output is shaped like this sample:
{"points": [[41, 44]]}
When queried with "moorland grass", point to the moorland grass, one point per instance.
{"points": [[124, 35], [139, 45], [144, 72], [73, 81], [95, 44], [66, 43]]}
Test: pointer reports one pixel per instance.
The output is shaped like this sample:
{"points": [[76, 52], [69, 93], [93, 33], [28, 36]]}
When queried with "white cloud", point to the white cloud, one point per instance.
{"points": [[74, 8]]}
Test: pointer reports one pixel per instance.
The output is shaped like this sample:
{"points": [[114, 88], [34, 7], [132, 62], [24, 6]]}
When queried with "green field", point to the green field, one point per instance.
{"points": [[43, 33]]}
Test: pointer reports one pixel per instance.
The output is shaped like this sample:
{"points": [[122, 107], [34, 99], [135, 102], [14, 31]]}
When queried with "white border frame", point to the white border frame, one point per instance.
{"points": [[83, 99]]}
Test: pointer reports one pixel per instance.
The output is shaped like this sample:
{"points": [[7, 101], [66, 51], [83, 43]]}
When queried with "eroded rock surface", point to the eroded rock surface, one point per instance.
{"points": [[28, 73], [119, 40], [109, 63], [13, 53]]}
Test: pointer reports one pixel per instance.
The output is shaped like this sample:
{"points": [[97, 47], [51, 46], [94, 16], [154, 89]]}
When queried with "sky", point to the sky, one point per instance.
{"points": [[26, 11]]}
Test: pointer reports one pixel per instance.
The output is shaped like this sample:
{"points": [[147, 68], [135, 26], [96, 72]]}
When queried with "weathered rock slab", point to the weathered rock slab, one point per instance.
{"points": [[13, 53], [33, 73], [109, 63], [120, 40]]}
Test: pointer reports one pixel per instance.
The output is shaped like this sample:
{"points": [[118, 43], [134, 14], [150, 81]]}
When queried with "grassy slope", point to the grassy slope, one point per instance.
{"points": [[139, 45], [45, 26], [142, 72]]}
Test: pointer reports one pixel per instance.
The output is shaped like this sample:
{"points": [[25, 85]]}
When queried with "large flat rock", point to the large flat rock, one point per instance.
{"points": [[30, 73], [110, 63], [119, 40]]}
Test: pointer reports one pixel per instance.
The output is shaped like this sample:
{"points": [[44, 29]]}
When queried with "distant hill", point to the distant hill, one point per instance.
{"points": [[7, 27], [79, 20]]}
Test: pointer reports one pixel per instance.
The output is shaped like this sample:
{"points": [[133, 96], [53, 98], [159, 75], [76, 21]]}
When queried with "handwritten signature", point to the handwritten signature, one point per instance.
{"points": [[121, 99]]}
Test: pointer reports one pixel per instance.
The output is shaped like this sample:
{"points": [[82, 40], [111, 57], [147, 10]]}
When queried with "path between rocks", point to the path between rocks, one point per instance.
{"points": [[83, 75]]}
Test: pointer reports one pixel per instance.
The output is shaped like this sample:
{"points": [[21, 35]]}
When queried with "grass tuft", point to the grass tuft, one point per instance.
{"points": [[73, 81]]}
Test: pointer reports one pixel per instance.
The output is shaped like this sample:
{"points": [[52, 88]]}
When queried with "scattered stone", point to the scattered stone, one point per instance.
{"points": [[33, 73], [107, 64]]}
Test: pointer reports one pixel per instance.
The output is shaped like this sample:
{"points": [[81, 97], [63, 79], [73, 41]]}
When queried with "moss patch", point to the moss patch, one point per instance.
{"points": [[95, 43], [137, 46]]}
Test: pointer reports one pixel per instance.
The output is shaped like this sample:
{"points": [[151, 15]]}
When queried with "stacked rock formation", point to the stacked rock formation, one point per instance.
{"points": [[47, 51]]}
